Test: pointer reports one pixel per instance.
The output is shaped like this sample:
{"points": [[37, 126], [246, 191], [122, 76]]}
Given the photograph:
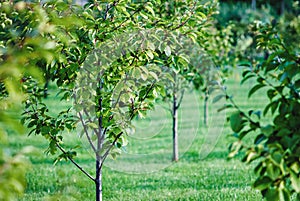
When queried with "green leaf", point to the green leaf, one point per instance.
{"points": [[150, 9], [276, 157], [273, 171], [273, 106], [167, 51], [283, 132], [245, 64], [92, 125], [136, 73], [251, 156], [225, 107], [183, 60], [246, 78], [151, 46], [295, 179], [271, 93], [284, 195], [262, 183], [154, 75], [149, 54], [257, 113], [246, 72], [297, 84], [234, 148], [69, 126], [218, 97], [144, 15], [236, 122], [45, 130], [283, 77], [271, 194], [267, 130], [169, 77], [244, 133], [201, 14], [259, 138], [254, 89]]}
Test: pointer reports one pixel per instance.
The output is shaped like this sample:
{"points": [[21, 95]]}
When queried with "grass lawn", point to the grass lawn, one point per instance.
{"points": [[145, 170]]}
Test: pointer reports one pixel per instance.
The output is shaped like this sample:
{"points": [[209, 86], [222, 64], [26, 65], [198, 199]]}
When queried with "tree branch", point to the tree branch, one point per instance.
{"points": [[89, 119], [180, 99], [109, 7], [74, 162], [184, 22], [240, 110], [86, 132], [109, 148], [123, 22]]}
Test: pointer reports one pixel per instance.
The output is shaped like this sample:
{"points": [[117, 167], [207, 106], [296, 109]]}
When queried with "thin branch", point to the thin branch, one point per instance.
{"points": [[271, 85], [123, 22], [239, 109], [184, 22], [74, 162], [180, 99], [147, 93], [106, 129], [86, 132], [119, 96], [89, 119], [109, 148], [109, 7]]}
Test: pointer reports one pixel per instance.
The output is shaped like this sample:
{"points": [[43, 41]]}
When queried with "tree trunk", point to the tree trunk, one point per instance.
{"points": [[98, 179], [175, 128], [282, 7], [253, 4], [205, 116]]}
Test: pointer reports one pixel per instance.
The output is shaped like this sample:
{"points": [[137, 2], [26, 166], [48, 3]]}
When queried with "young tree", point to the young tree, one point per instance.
{"points": [[174, 93], [192, 67], [110, 63]]}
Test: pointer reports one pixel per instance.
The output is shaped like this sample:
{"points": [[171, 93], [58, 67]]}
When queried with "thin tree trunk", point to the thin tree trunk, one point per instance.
{"points": [[100, 138], [253, 4], [282, 7], [98, 179], [206, 108], [175, 128]]}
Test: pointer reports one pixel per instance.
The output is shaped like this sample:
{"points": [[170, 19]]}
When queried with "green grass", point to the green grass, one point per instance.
{"points": [[145, 170]]}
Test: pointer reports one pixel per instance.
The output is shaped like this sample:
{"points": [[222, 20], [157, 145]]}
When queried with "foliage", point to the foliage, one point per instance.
{"points": [[22, 45], [289, 26], [12, 173], [237, 42], [109, 61], [276, 144]]}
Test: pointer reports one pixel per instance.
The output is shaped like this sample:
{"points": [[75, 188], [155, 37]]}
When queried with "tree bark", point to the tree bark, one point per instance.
{"points": [[175, 127], [98, 179], [253, 4], [100, 138], [282, 7], [205, 116]]}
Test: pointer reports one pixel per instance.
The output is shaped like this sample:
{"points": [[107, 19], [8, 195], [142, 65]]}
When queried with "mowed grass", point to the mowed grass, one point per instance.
{"points": [[145, 171]]}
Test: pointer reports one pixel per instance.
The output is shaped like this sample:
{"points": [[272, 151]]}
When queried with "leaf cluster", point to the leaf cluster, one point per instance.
{"points": [[276, 145]]}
